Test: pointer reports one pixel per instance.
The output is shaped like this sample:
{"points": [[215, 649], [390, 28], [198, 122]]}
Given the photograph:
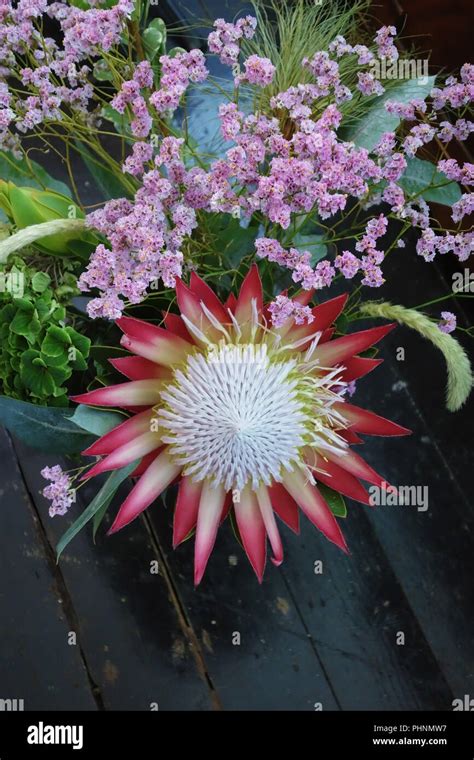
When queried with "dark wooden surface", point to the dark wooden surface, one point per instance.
{"points": [[145, 641]]}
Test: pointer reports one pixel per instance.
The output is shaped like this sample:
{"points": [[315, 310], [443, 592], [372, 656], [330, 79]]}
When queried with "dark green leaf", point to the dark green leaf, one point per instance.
{"points": [[422, 178], [369, 128], [29, 174], [96, 421], [103, 497], [107, 181], [41, 427]]}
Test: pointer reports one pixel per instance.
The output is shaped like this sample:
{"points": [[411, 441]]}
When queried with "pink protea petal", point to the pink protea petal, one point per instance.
{"points": [[134, 449], [285, 506], [123, 433], [358, 367], [363, 421], [175, 324], [339, 350], [146, 462], [186, 511], [190, 306], [338, 479], [304, 296], [161, 472], [210, 510], [324, 315], [326, 335], [358, 467], [231, 303], [314, 506], [137, 368], [350, 436], [153, 342], [228, 503], [204, 293], [271, 527], [252, 530], [251, 290], [136, 393]]}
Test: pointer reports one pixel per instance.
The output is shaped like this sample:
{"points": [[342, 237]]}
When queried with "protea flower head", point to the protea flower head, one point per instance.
{"points": [[241, 414]]}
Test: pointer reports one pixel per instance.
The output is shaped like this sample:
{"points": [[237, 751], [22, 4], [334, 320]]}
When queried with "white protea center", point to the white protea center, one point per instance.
{"points": [[238, 414]]}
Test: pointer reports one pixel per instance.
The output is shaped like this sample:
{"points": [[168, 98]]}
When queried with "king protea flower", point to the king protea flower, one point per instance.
{"points": [[242, 415]]}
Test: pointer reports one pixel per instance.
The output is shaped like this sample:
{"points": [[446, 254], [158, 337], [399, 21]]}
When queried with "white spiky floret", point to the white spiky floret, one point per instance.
{"points": [[239, 414]]}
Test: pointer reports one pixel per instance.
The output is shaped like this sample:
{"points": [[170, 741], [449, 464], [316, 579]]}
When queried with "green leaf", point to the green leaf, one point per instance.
{"points": [[102, 72], [119, 120], [104, 496], [369, 128], [311, 243], [26, 321], [99, 516], [40, 281], [154, 38], [29, 174], [96, 421], [107, 181], [232, 241], [419, 178], [36, 375], [56, 343], [45, 428], [334, 500]]}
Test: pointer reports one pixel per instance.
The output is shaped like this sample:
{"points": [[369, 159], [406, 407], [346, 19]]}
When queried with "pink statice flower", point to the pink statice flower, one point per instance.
{"points": [[259, 71], [282, 308], [59, 492], [448, 322]]}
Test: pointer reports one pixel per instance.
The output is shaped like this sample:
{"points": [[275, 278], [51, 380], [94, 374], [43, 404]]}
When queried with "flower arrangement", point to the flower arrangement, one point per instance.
{"points": [[210, 258]]}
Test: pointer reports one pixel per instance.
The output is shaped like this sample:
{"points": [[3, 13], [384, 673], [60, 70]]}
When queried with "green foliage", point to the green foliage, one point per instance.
{"points": [[421, 178], [46, 428], [27, 206], [154, 39], [28, 173], [98, 504], [38, 351], [334, 500], [367, 129]]}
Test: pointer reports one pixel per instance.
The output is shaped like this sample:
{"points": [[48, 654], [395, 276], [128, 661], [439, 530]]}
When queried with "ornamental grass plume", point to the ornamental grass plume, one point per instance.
{"points": [[460, 379]]}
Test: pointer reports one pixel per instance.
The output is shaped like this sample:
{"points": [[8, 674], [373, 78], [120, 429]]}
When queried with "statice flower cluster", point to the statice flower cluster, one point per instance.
{"points": [[145, 235], [283, 307], [448, 322], [282, 164], [59, 491]]}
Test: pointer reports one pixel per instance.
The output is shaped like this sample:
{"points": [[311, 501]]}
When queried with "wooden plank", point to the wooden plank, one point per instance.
{"points": [[37, 664], [350, 614], [129, 629], [355, 610], [276, 665], [430, 551]]}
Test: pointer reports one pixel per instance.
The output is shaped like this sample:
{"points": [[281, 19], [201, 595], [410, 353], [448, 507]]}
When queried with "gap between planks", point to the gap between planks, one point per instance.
{"points": [[181, 613], [62, 589]]}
